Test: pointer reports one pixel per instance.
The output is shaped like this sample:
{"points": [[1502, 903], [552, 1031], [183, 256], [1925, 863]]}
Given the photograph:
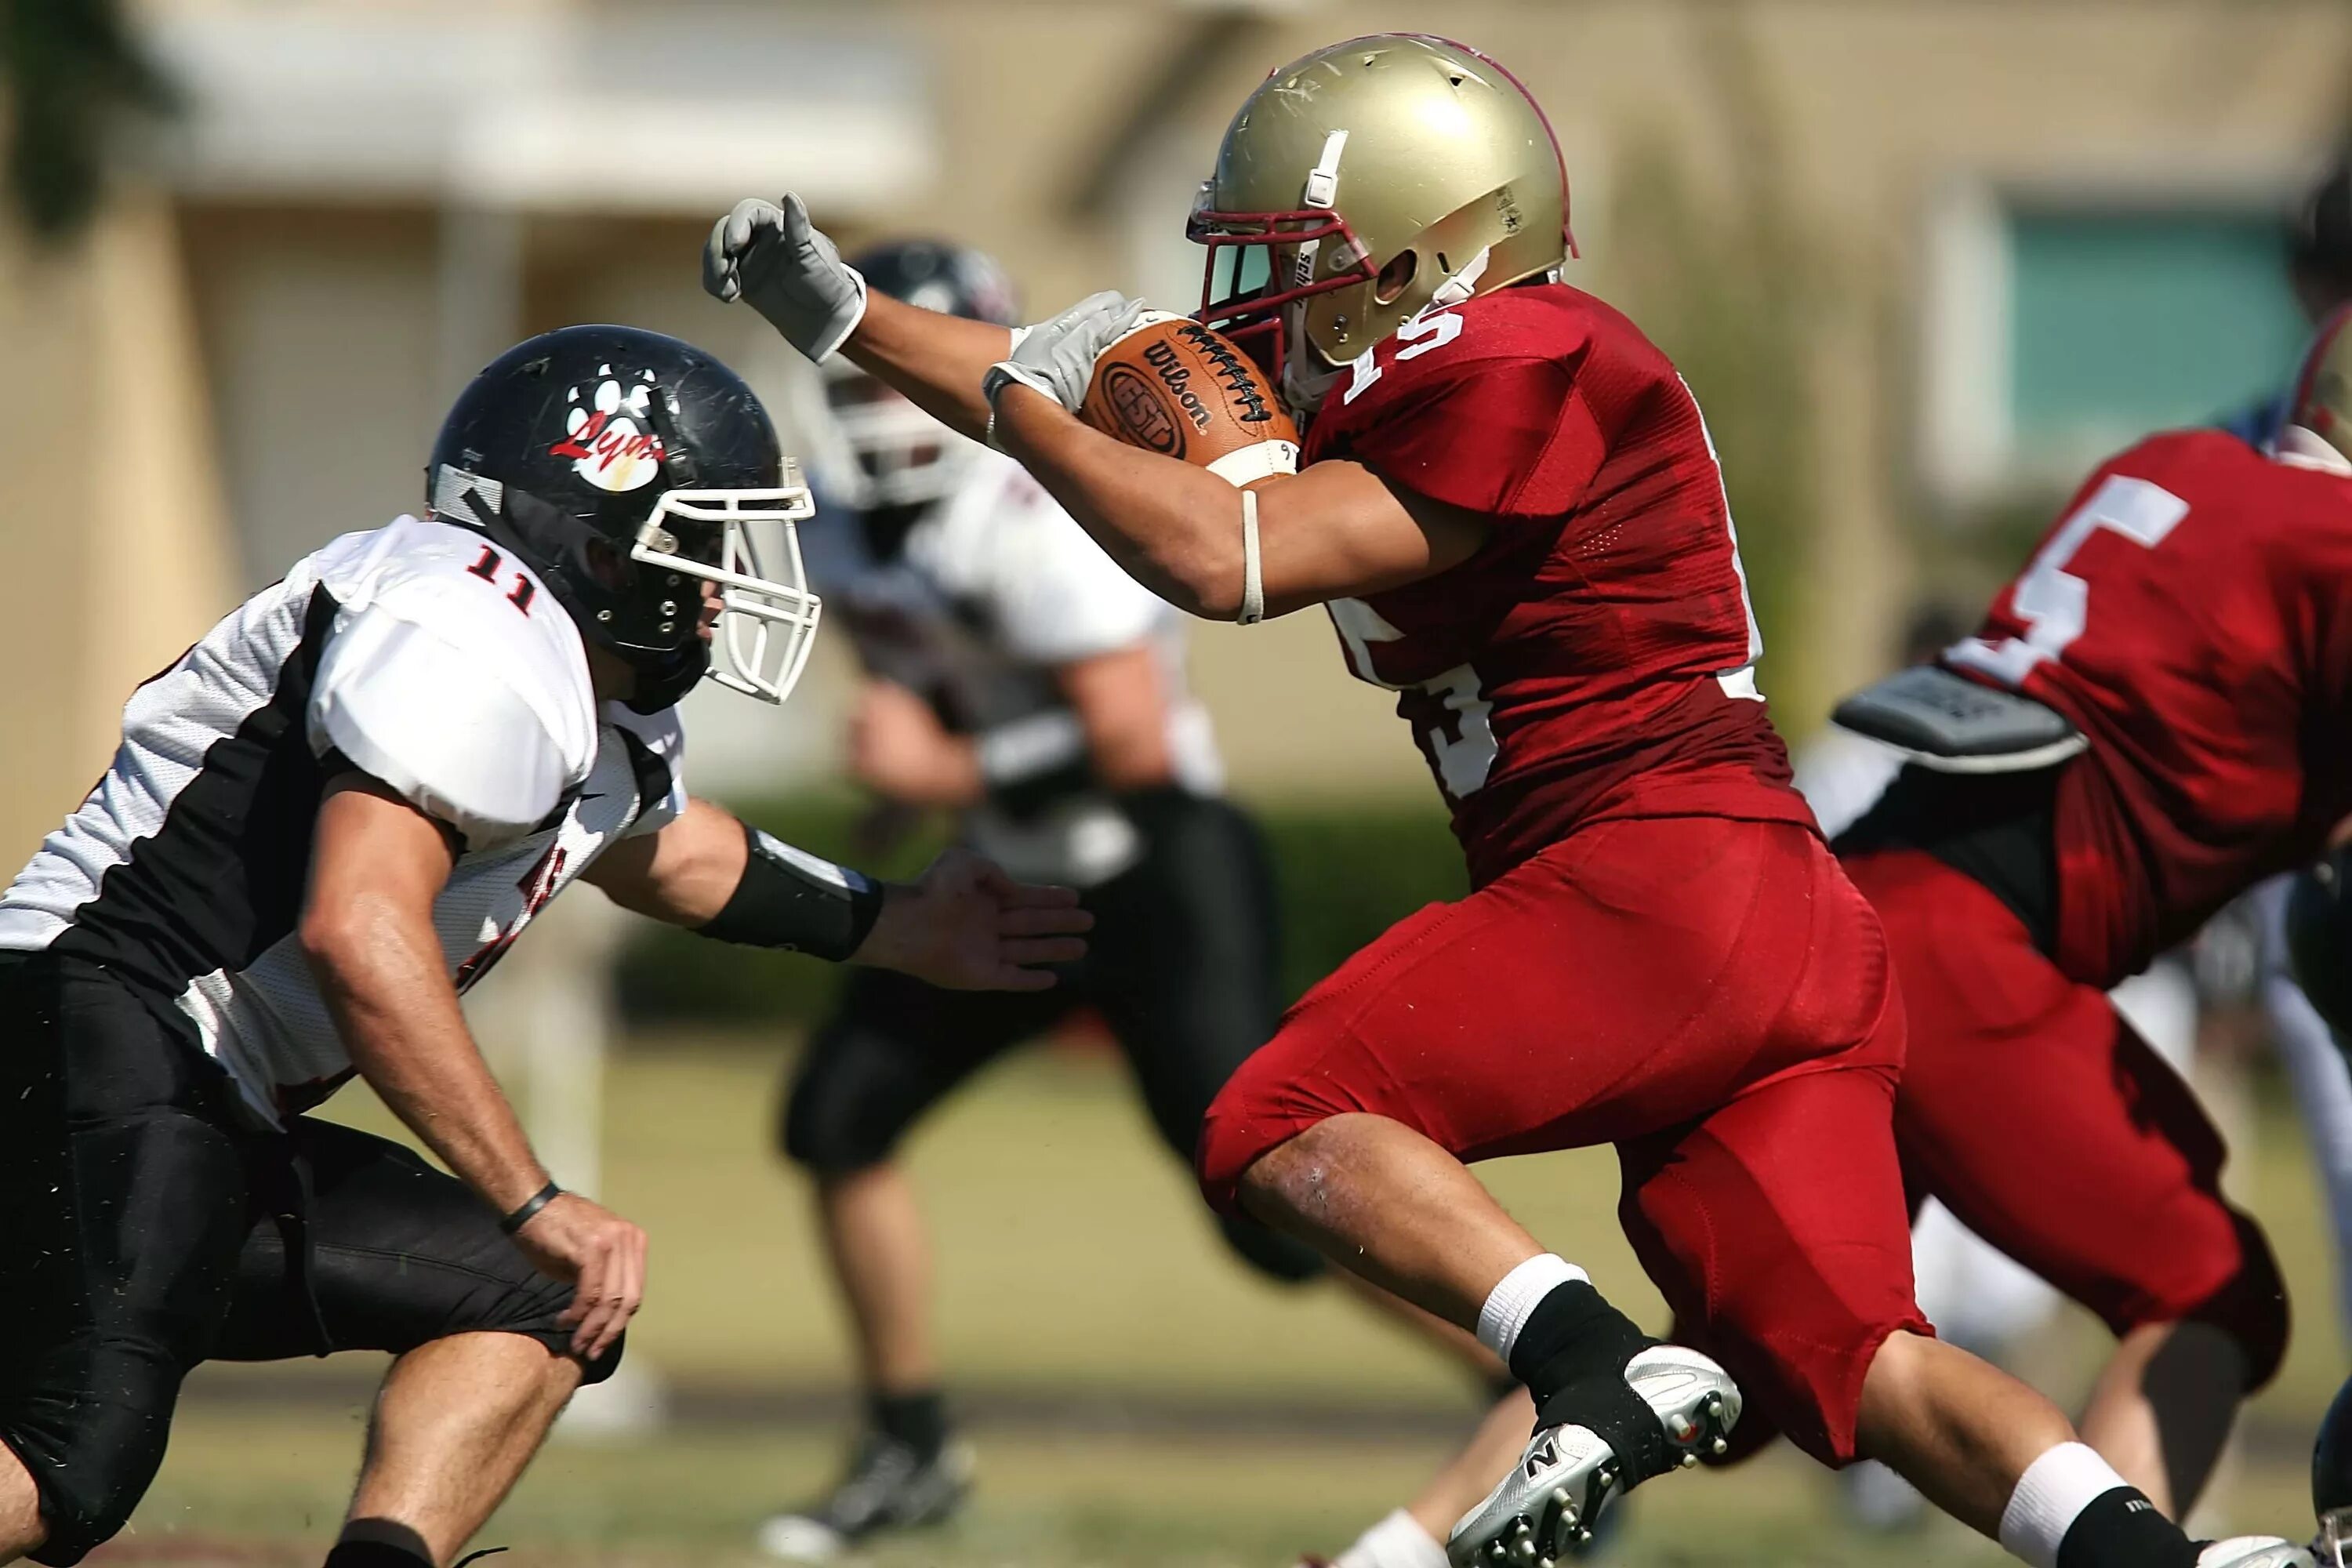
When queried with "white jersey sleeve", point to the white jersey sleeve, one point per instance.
{"points": [[1074, 602], [662, 737], [468, 697], [452, 738], [1055, 597]]}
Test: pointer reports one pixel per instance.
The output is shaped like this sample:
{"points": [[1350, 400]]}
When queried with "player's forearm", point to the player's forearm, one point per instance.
{"points": [[382, 978], [948, 777], [936, 360], [683, 874], [1173, 528], [1121, 702]]}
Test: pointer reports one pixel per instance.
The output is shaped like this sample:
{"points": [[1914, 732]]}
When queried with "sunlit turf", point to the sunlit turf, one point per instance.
{"points": [[1074, 1265]]}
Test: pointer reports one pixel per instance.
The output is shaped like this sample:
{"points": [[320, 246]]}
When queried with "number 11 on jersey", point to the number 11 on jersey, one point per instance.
{"points": [[487, 569]]}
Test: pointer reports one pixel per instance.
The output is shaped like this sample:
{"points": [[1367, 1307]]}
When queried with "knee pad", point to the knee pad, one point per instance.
{"points": [[1271, 1254], [91, 1462], [532, 1310], [833, 1122], [2252, 1309]]}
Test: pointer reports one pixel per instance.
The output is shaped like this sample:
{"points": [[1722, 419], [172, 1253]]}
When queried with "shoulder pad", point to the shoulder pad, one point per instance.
{"points": [[441, 725], [1951, 723]]}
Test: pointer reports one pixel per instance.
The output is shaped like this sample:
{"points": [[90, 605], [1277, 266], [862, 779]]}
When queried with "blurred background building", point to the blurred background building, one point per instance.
{"points": [[1920, 262]]}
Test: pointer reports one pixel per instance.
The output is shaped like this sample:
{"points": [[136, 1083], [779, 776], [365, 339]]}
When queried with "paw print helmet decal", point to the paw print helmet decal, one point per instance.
{"points": [[629, 468]]}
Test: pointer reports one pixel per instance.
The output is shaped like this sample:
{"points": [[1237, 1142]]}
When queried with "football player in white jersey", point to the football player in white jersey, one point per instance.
{"points": [[327, 819], [1016, 677]]}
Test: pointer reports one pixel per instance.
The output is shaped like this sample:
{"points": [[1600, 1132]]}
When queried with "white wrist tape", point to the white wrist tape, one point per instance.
{"points": [[1252, 585], [1264, 460]]}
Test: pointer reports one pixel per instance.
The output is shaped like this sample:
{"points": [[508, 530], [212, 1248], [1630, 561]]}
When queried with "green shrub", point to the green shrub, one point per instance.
{"points": [[1346, 874]]}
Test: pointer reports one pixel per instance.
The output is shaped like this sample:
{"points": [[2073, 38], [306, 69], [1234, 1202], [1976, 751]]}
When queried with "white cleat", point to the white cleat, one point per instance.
{"points": [[1548, 1506], [2254, 1552]]}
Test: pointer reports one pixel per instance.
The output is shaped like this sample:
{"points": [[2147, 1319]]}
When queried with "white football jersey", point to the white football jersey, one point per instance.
{"points": [[420, 653], [996, 587]]}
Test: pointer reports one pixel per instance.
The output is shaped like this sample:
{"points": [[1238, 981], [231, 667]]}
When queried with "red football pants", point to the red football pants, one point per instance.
{"points": [[2043, 1121], [1713, 998]]}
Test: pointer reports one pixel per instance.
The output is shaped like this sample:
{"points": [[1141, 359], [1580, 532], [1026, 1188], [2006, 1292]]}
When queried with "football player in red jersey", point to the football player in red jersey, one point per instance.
{"points": [[2186, 616], [1510, 504]]}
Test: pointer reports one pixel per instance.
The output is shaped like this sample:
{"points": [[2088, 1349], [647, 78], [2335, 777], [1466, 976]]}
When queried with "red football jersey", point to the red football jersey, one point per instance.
{"points": [[2191, 612], [1595, 659]]}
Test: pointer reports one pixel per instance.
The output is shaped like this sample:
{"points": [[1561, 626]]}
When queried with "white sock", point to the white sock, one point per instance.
{"points": [[1512, 1302], [1396, 1541], [2050, 1496]]}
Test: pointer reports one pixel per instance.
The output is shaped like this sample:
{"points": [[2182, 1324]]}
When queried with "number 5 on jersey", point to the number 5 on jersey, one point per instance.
{"points": [[2053, 603]]}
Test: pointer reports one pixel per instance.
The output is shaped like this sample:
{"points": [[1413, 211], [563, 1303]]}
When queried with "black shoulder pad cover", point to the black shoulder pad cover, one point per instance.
{"points": [[1949, 723]]}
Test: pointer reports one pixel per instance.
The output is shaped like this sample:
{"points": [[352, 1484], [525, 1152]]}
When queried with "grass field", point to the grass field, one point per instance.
{"points": [[1136, 1399]]}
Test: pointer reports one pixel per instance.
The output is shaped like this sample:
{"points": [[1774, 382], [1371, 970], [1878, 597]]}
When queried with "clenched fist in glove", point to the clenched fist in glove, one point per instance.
{"points": [[768, 255], [1057, 356]]}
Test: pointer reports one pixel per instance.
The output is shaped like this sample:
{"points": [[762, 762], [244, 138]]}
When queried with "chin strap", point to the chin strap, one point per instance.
{"points": [[663, 683], [1253, 585], [1462, 284]]}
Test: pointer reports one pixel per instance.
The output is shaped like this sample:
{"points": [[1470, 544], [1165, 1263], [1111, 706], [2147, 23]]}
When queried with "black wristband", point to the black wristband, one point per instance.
{"points": [[529, 1209], [793, 899]]}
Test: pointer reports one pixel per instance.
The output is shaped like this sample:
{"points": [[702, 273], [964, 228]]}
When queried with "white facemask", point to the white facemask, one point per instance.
{"points": [[749, 653]]}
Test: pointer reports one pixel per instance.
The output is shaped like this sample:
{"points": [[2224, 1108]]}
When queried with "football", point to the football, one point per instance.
{"points": [[1172, 385]]}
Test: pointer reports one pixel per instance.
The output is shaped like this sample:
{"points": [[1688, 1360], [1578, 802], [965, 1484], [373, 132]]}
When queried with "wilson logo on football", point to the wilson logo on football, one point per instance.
{"points": [[606, 440], [1142, 412]]}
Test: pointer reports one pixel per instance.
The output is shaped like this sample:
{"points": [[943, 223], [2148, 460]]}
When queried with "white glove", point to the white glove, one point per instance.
{"points": [[1057, 357], [769, 256]]}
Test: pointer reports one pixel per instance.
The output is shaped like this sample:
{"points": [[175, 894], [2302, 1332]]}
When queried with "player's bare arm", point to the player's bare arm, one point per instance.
{"points": [[1335, 531], [936, 360], [964, 924], [768, 255], [900, 751], [377, 864], [1121, 702]]}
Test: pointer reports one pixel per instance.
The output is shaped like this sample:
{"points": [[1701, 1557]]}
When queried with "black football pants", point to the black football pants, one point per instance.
{"points": [[150, 1228], [1183, 966]]}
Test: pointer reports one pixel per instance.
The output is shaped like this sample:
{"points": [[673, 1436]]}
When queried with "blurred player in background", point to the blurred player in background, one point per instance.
{"points": [[326, 820], [1977, 1295], [1977, 1298], [1510, 504], [2319, 271], [1016, 677], [2185, 623]]}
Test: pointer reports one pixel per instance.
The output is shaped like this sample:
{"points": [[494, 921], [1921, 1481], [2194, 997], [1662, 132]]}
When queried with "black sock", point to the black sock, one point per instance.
{"points": [[918, 1420], [1572, 1335], [1571, 1354], [2121, 1529], [380, 1544]]}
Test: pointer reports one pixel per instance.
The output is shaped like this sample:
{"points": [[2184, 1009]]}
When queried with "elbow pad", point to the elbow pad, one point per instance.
{"points": [[792, 900]]}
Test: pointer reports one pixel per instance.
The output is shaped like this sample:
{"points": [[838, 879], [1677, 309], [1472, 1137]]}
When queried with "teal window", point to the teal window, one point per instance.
{"points": [[2125, 322]]}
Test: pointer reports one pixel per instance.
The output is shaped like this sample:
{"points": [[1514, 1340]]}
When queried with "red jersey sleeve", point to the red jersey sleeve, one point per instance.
{"points": [[1488, 426]]}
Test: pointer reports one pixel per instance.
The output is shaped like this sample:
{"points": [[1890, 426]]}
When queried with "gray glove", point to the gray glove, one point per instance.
{"points": [[1057, 357], [769, 256]]}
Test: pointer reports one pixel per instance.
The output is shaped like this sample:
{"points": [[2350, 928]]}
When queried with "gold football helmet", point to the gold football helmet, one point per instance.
{"points": [[2318, 412], [1366, 182]]}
